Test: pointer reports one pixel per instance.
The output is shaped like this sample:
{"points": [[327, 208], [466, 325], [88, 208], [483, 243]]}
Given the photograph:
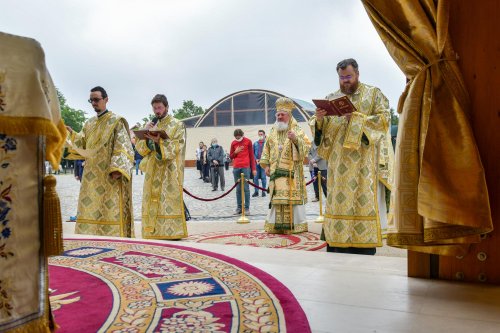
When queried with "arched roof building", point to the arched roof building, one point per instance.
{"points": [[248, 107], [250, 110]]}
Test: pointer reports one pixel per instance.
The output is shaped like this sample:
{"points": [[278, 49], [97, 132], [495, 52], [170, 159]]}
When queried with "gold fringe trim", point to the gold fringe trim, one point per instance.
{"points": [[52, 229], [55, 133]]}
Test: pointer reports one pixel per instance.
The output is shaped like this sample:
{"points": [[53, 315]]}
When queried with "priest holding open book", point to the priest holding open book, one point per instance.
{"points": [[353, 135], [163, 146]]}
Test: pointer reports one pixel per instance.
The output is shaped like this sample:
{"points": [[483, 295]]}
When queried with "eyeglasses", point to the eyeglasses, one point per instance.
{"points": [[343, 78], [94, 100]]}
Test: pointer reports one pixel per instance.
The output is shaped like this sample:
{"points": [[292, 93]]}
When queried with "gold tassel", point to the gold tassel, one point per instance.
{"points": [[52, 218]]}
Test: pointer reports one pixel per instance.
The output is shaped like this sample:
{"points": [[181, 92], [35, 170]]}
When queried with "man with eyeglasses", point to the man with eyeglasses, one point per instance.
{"points": [[360, 163], [104, 204]]}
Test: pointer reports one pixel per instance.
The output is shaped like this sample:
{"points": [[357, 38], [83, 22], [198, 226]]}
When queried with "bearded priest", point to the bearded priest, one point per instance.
{"points": [[282, 159], [163, 215], [360, 164]]}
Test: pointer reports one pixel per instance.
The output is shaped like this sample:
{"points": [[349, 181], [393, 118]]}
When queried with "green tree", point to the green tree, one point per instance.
{"points": [[394, 117], [188, 109], [72, 117]]}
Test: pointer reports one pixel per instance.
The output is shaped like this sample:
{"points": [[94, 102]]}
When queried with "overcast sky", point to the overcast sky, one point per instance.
{"points": [[200, 50]]}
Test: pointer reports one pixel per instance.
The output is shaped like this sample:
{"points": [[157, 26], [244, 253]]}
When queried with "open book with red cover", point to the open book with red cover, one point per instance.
{"points": [[335, 107], [140, 133]]}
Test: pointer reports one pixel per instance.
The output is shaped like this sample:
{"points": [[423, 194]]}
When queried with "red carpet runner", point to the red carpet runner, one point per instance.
{"points": [[136, 286]]}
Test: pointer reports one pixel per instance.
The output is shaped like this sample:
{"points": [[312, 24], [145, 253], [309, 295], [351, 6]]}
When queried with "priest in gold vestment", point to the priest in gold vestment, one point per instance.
{"points": [[105, 201], [282, 159], [360, 164], [163, 163], [31, 132]]}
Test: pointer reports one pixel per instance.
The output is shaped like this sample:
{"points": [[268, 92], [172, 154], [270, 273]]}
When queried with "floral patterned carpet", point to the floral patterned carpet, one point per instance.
{"points": [[306, 241], [102, 285]]}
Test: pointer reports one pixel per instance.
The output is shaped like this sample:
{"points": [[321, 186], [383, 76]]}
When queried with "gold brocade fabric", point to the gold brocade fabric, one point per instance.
{"points": [[31, 131], [105, 204], [162, 203], [440, 201], [355, 168], [284, 157], [287, 187], [24, 305], [28, 97]]}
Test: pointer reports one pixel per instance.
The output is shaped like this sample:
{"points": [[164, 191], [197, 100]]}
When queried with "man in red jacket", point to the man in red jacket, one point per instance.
{"points": [[241, 153]]}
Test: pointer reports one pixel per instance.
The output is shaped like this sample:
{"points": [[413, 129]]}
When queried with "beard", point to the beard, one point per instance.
{"points": [[160, 115], [280, 126], [348, 88]]}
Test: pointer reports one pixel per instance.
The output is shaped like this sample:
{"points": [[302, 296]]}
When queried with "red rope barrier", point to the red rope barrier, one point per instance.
{"points": [[212, 199], [311, 181], [234, 186], [257, 186], [263, 189]]}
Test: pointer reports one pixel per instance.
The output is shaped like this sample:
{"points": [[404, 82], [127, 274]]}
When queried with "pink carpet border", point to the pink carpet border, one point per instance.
{"points": [[295, 317]]}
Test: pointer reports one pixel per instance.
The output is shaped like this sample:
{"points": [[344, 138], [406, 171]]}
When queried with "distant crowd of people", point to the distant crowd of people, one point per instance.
{"points": [[244, 155]]}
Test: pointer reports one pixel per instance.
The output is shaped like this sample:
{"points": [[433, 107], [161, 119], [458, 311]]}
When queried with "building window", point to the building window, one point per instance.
{"points": [[223, 118], [208, 121], [297, 115], [249, 101], [271, 108], [223, 113], [249, 117], [249, 109]]}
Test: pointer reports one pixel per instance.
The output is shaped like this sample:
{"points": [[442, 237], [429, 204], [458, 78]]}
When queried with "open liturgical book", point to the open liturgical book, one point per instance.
{"points": [[335, 107], [140, 133]]}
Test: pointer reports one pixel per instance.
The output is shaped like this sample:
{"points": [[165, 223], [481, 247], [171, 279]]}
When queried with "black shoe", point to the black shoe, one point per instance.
{"points": [[214, 189], [200, 178], [263, 194], [238, 211], [256, 194]]}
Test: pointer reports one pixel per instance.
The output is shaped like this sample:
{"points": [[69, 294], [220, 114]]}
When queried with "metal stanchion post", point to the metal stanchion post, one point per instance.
{"points": [[320, 218], [242, 219]]}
